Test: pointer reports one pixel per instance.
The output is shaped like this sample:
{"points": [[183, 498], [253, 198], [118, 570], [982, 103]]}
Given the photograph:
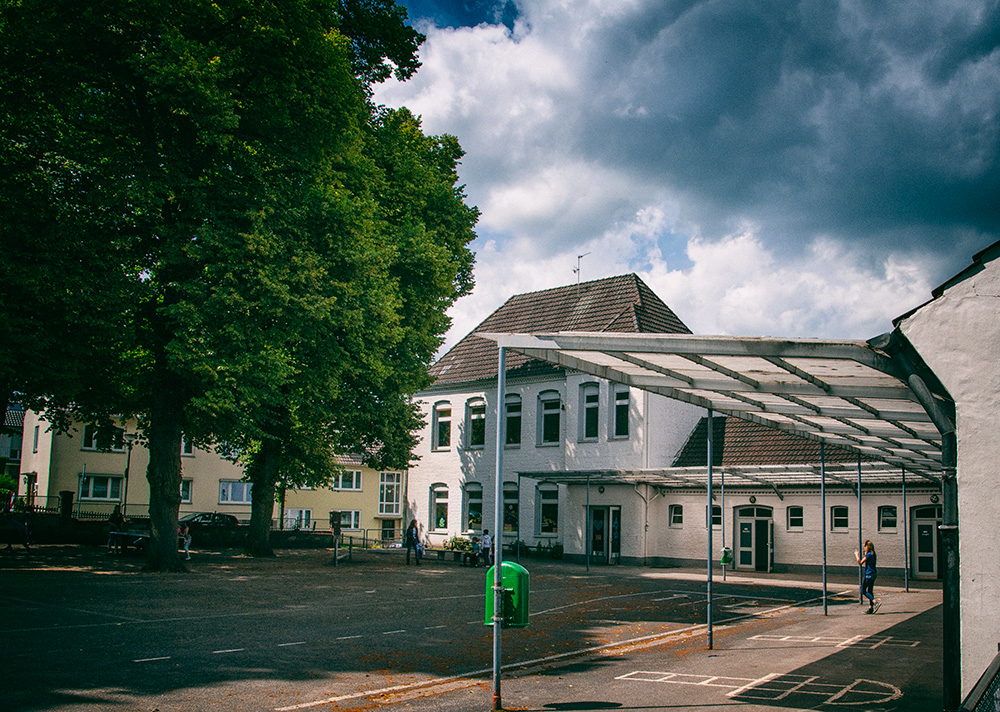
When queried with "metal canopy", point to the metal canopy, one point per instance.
{"points": [[842, 393]]}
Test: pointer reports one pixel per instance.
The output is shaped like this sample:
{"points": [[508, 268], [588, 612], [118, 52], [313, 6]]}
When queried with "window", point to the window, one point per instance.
{"points": [[187, 448], [621, 413], [475, 423], [390, 493], [549, 409], [675, 516], [473, 506], [590, 409], [102, 487], [186, 491], [887, 518], [796, 519], [839, 518], [548, 509], [716, 516], [439, 507], [441, 427], [234, 492], [103, 440], [297, 519], [347, 480], [511, 507], [512, 404], [350, 519], [34, 442]]}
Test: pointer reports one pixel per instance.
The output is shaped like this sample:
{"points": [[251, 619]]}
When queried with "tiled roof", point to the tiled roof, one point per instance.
{"points": [[742, 442], [622, 304]]}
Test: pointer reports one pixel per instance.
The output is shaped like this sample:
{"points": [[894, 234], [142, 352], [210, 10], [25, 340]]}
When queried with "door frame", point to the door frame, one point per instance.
{"points": [[761, 537]]}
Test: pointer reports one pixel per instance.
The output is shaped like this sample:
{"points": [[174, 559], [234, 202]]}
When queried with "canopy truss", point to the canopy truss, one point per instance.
{"points": [[842, 393]]}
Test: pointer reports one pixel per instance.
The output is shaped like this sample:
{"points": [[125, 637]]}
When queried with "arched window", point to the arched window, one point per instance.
{"points": [[473, 506], [549, 417], [475, 423], [590, 410], [439, 507], [512, 408], [441, 426], [548, 509]]}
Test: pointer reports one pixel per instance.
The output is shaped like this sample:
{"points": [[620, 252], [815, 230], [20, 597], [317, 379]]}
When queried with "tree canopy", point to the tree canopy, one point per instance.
{"points": [[253, 253]]}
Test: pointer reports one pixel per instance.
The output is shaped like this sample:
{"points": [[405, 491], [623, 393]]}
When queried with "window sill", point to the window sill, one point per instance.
{"points": [[558, 444]]}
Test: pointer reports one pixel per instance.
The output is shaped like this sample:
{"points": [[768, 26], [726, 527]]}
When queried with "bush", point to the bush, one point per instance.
{"points": [[457, 543]]}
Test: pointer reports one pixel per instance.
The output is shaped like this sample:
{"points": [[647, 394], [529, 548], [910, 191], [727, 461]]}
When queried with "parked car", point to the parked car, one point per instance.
{"points": [[209, 521]]}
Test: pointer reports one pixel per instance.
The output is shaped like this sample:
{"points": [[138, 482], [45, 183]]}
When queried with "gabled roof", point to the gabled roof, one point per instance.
{"points": [[737, 442], [623, 304]]}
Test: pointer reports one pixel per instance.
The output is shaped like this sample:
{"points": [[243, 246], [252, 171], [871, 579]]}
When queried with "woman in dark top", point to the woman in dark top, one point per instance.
{"points": [[869, 561]]}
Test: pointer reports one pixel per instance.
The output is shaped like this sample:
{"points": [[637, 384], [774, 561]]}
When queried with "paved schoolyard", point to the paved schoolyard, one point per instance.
{"points": [[84, 631]]}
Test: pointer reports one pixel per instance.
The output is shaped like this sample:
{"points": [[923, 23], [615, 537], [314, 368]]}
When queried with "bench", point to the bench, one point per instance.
{"points": [[120, 541]]}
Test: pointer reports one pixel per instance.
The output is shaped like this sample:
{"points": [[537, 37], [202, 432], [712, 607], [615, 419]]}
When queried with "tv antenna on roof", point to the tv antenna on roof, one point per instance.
{"points": [[576, 270]]}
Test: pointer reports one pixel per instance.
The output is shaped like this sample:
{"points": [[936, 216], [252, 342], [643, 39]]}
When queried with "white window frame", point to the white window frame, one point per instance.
{"points": [[675, 516], [441, 417], [187, 484], [882, 512], [347, 481], [187, 448], [801, 516], [353, 517], [716, 516], [549, 407], [620, 413], [834, 510], [438, 495], [546, 496], [472, 493], [390, 494], [475, 421], [590, 406], [111, 482], [513, 411], [297, 518], [226, 488]]}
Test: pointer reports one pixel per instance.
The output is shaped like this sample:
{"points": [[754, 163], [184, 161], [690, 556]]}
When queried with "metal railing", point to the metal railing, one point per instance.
{"points": [[985, 696]]}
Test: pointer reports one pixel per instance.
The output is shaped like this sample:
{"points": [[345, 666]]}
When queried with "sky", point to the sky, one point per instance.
{"points": [[807, 169]]}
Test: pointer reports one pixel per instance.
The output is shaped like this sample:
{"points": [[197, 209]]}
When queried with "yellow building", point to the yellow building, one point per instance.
{"points": [[368, 503]]}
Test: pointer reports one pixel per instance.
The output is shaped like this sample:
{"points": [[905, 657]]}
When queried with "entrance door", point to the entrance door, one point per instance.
{"points": [[604, 534], [925, 542], [754, 538], [599, 535]]}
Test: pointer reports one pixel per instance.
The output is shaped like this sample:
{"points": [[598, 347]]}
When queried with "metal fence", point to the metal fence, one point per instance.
{"points": [[985, 696]]}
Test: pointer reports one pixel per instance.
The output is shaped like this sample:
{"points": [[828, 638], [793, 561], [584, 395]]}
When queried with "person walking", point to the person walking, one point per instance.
{"points": [[869, 562], [412, 538], [116, 525], [486, 547]]}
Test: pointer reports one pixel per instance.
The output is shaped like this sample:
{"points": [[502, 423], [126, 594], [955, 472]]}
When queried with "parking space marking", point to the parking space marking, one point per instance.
{"points": [[869, 642], [286, 645], [151, 660], [776, 686], [230, 650]]}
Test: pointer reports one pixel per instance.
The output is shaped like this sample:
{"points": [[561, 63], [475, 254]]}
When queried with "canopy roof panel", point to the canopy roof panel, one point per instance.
{"points": [[842, 393]]}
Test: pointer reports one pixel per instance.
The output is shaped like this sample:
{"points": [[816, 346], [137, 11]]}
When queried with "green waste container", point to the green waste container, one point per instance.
{"points": [[514, 608]]}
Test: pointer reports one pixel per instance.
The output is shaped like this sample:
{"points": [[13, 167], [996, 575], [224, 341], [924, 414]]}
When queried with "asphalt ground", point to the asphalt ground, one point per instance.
{"points": [[85, 631]]}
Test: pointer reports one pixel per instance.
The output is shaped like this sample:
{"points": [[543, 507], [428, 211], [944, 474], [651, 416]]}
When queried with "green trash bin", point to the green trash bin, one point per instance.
{"points": [[514, 607]]}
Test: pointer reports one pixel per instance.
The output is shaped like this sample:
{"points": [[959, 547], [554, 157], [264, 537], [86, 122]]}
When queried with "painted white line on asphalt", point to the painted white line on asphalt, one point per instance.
{"points": [[231, 650], [646, 639], [434, 627], [285, 645], [150, 660], [393, 632], [347, 637]]}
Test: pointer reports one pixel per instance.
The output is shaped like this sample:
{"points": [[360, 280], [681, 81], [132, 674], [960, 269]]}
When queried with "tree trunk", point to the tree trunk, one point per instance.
{"points": [[264, 476], [164, 476]]}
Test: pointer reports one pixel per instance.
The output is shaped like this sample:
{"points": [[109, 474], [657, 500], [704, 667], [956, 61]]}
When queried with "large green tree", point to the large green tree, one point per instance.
{"points": [[224, 149]]}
